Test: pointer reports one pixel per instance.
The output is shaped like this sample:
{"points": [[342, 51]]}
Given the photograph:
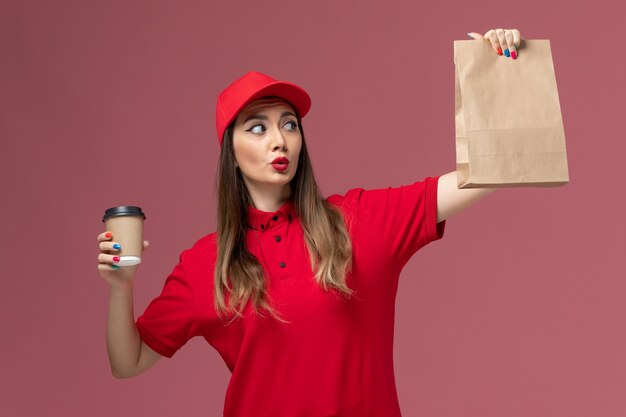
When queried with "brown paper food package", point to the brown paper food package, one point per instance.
{"points": [[509, 129]]}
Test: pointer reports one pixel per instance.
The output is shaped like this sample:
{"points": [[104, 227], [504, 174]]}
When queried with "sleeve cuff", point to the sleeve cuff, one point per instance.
{"points": [[153, 343], [434, 230]]}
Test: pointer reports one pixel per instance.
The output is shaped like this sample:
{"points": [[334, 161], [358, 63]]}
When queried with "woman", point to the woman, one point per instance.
{"points": [[296, 292]]}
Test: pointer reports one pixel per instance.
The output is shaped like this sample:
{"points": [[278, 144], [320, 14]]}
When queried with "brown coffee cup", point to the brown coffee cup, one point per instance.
{"points": [[126, 224]]}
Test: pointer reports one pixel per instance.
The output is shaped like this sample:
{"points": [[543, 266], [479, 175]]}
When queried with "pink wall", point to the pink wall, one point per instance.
{"points": [[518, 311]]}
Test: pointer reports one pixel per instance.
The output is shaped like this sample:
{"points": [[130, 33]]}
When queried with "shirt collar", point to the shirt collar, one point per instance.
{"points": [[262, 220]]}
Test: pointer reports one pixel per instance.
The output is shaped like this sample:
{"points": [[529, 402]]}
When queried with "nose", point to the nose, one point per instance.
{"points": [[277, 139]]}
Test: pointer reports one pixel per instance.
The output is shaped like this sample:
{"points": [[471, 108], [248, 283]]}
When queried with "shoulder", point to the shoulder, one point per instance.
{"points": [[378, 204], [347, 200], [358, 195], [202, 252], [207, 243]]}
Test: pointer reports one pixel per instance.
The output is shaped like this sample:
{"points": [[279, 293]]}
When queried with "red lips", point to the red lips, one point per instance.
{"points": [[280, 164]]}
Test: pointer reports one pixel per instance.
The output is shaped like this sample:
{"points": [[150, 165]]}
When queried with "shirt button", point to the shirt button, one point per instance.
{"points": [[277, 238], [275, 218], [282, 264]]}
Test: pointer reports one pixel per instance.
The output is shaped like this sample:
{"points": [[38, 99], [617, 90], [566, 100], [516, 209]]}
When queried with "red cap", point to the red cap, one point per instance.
{"points": [[250, 87]]}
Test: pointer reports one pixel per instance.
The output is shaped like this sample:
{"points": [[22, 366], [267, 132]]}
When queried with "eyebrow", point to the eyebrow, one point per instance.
{"points": [[262, 117]]}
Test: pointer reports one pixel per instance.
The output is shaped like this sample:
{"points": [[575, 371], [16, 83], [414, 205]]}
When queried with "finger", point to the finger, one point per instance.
{"points": [[508, 35], [108, 259], [517, 38], [475, 35], [495, 43], [107, 267], [105, 236], [502, 41], [110, 247], [146, 244]]}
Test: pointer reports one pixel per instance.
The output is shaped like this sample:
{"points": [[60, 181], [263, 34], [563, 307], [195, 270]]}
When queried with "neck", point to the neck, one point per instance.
{"points": [[269, 199]]}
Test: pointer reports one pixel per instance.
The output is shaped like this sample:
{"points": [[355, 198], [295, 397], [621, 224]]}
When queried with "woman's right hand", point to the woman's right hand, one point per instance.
{"points": [[121, 277]]}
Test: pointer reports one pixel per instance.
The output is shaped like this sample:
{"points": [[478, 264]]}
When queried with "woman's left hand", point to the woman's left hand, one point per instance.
{"points": [[504, 41]]}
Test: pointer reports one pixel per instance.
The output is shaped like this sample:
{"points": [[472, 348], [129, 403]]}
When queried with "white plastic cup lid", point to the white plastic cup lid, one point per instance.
{"points": [[128, 260]]}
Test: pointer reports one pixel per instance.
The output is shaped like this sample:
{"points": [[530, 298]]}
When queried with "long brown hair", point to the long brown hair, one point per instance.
{"points": [[238, 273]]}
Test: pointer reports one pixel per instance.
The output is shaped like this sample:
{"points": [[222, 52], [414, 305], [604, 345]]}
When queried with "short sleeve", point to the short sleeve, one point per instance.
{"points": [[169, 320], [398, 221]]}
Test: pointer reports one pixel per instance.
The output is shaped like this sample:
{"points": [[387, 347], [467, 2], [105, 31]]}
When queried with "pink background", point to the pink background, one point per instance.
{"points": [[518, 311]]}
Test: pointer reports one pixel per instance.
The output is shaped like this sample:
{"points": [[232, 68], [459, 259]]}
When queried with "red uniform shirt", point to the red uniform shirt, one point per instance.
{"points": [[335, 357]]}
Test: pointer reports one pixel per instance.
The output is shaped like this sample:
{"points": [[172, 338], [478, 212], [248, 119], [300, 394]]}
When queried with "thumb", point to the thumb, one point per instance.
{"points": [[146, 244], [476, 36]]}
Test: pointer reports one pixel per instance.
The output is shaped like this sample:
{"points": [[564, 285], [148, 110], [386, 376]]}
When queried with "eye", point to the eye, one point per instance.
{"points": [[294, 125], [256, 129]]}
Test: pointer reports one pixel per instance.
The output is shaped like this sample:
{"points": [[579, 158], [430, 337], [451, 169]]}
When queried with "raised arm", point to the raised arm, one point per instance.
{"points": [[452, 200]]}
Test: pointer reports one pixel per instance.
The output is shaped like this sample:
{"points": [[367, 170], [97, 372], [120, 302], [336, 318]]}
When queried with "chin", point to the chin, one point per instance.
{"points": [[281, 183], [282, 180]]}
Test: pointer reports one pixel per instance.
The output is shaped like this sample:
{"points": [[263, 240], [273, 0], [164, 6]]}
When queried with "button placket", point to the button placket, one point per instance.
{"points": [[280, 247]]}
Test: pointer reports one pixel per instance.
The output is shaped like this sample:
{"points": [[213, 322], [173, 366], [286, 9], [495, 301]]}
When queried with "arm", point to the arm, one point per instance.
{"points": [[128, 355], [452, 200]]}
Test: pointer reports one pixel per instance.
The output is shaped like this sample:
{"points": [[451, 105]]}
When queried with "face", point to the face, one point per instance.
{"points": [[265, 130]]}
